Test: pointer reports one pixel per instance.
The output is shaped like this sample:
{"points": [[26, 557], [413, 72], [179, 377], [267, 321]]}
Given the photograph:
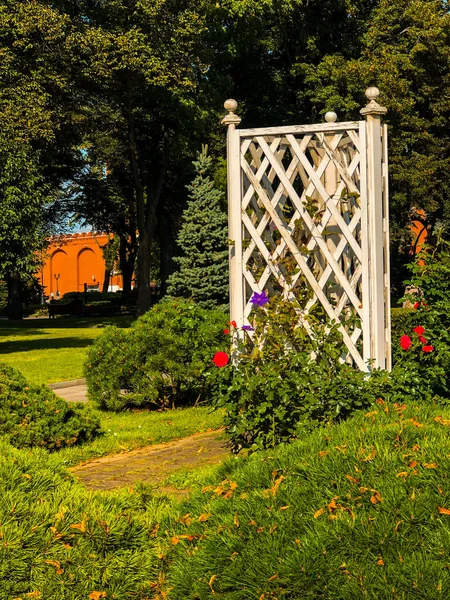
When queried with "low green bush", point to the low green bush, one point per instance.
{"points": [[161, 361], [286, 383], [33, 415], [61, 542]]}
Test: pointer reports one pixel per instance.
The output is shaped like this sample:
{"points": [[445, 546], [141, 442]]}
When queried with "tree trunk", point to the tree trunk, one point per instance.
{"points": [[13, 282], [127, 254], [106, 280], [144, 299], [167, 247]]}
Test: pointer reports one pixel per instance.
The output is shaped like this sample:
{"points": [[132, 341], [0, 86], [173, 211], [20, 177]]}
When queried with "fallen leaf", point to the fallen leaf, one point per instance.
{"points": [[430, 465], [203, 517], [403, 474], [81, 526], [236, 520], [97, 595], [380, 562], [284, 507], [274, 577], [376, 497], [352, 479], [371, 414], [397, 526], [413, 464], [332, 504], [370, 456], [443, 511], [276, 485], [175, 540], [323, 453], [318, 513], [210, 583], [185, 519]]}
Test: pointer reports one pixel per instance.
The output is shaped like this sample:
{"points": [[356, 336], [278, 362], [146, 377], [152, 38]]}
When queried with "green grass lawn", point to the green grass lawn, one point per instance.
{"points": [[48, 351]]}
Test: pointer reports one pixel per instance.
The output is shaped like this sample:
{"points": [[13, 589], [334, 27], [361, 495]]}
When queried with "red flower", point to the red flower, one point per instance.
{"points": [[419, 330], [226, 331], [427, 348], [405, 342], [221, 359], [416, 305], [233, 323], [422, 340]]}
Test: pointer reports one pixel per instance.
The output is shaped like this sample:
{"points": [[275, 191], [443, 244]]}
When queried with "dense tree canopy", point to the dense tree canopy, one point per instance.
{"points": [[139, 85]]}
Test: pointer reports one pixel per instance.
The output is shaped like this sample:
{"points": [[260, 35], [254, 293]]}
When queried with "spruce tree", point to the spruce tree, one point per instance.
{"points": [[202, 272]]}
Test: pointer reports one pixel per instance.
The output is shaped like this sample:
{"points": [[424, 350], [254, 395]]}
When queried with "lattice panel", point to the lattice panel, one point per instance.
{"points": [[302, 222], [308, 219]]}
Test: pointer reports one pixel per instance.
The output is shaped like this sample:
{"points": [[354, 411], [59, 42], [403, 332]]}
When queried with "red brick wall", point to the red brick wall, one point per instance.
{"points": [[77, 259]]}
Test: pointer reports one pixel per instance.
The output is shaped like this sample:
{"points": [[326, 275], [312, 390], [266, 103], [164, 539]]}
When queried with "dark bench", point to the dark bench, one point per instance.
{"points": [[74, 308]]}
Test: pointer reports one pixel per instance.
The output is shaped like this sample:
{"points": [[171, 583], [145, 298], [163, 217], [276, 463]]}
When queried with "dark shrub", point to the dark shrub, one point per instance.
{"points": [[160, 361], [34, 416]]}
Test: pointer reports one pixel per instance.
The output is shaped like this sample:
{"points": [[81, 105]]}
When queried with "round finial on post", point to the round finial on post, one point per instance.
{"points": [[331, 117], [230, 119], [372, 93], [230, 105], [373, 108]]}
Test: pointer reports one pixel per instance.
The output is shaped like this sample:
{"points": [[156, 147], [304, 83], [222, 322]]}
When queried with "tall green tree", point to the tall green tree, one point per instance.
{"points": [[202, 272], [405, 51], [141, 62], [37, 132]]}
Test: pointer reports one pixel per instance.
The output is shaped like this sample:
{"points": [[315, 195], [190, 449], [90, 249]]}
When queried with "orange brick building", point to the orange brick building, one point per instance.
{"points": [[73, 261]]}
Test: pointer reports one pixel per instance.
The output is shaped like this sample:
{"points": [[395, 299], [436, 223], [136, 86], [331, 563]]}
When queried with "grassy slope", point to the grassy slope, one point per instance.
{"points": [[359, 510], [47, 351]]}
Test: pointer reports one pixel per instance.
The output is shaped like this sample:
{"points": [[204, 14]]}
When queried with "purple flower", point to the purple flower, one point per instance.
{"points": [[259, 299], [247, 328]]}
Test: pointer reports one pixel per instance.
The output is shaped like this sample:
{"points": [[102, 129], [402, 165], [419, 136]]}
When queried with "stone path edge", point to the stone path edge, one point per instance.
{"points": [[66, 384]]}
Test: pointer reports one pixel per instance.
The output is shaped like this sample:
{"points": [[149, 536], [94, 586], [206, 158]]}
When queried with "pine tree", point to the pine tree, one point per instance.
{"points": [[203, 262]]}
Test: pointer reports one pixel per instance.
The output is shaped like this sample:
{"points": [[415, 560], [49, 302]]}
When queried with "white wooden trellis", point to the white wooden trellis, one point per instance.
{"points": [[340, 251]]}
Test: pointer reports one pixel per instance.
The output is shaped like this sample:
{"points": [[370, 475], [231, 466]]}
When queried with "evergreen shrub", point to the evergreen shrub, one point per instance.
{"points": [[160, 361], [32, 415], [61, 541], [202, 272], [357, 510]]}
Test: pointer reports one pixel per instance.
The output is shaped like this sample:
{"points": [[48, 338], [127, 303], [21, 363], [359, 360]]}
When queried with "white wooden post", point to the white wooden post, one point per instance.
{"points": [[377, 234], [234, 219]]}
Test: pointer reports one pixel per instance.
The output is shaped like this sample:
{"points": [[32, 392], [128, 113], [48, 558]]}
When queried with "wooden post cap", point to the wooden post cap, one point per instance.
{"points": [[373, 108], [231, 118]]}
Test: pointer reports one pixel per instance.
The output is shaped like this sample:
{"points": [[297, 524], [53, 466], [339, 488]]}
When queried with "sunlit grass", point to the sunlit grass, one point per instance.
{"points": [[48, 351]]}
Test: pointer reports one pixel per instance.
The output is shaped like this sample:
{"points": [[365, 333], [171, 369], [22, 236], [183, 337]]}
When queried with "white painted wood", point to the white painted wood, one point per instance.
{"points": [[365, 284], [299, 129], [276, 173], [376, 241], [387, 270]]}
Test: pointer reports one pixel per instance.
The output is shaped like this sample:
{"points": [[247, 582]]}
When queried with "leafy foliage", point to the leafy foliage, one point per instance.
{"points": [[160, 361], [284, 379], [33, 416], [203, 264]]}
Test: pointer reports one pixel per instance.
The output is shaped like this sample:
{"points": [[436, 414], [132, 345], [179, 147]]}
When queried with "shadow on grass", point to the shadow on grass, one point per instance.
{"points": [[9, 327], [43, 344]]}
